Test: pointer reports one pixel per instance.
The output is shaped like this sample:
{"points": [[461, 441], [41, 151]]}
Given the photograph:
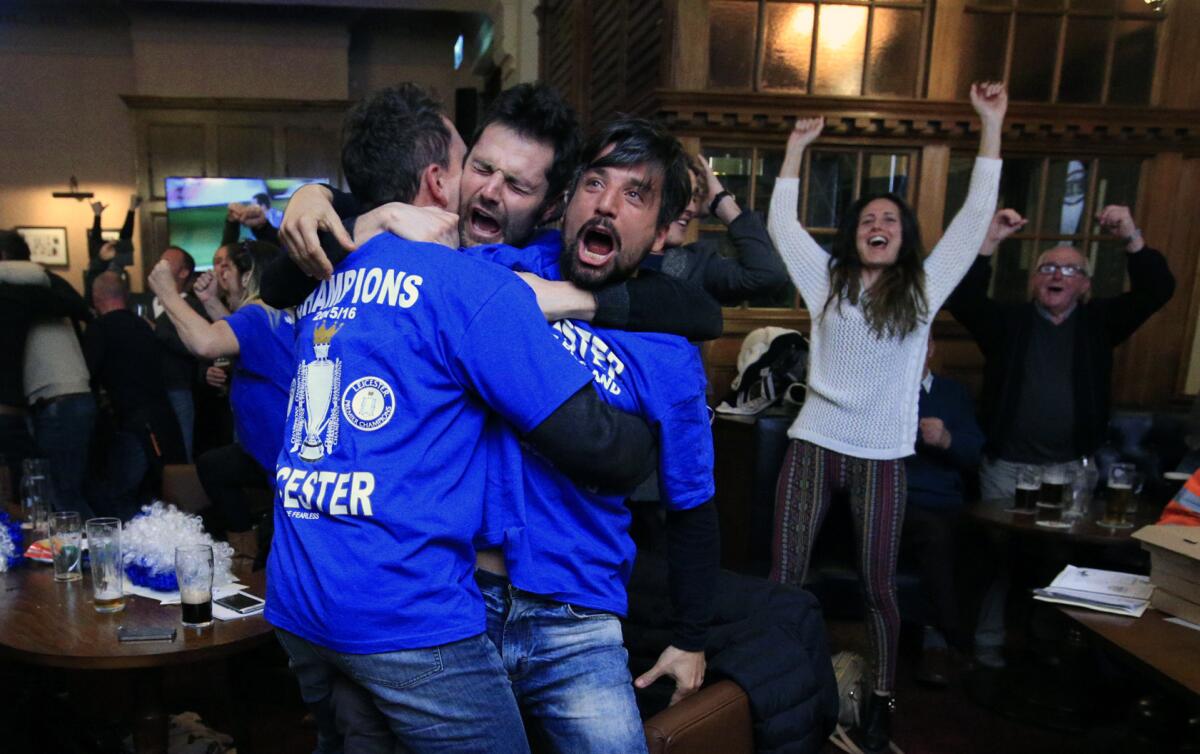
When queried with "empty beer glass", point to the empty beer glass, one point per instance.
{"points": [[104, 550]]}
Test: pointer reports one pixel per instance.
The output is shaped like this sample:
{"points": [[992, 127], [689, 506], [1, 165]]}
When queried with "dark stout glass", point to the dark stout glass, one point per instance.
{"points": [[1027, 497], [197, 614], [1052, 493]]}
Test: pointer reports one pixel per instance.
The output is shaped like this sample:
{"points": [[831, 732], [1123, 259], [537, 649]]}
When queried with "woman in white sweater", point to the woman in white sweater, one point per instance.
{"points": [[872, 301]]}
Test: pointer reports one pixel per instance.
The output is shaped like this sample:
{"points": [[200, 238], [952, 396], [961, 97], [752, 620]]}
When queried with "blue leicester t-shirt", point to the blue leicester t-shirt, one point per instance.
{"points": [[400, 358], [261, 379], [573, 544]]}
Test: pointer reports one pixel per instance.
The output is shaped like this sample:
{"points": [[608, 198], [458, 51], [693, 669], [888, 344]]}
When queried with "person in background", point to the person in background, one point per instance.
{"points": [[873, 299], [57, 383], [179, 366], [22, 305], [109, 255], [122, 356], [1047, 374], [949, 442], [260, 338], [263, 223], [757, 269]]}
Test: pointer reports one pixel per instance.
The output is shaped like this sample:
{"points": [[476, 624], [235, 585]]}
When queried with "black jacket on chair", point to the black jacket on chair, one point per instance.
{"points": [[1003, 333]]}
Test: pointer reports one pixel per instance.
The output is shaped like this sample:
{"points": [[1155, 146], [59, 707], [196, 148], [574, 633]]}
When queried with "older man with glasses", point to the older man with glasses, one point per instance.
{"points": [[1048, 369]]}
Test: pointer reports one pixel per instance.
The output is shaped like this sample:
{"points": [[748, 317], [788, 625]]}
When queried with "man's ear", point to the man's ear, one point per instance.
{"points": [[552, 210], [660, 239], [433, 183]]}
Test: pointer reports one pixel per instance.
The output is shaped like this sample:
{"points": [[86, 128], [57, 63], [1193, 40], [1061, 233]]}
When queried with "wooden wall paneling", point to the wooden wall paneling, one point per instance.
{"points": [[645, 59], [931, 191], [606, 74], [1146, 367], [159, 237], [312, 153], [173, 149], [1189, 284], [1180, 57], [245, 151], [944, 48]]}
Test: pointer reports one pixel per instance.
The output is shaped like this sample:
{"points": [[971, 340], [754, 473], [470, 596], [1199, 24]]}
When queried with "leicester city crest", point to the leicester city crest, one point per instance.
{"points": [[368, 403], [315, 426]]}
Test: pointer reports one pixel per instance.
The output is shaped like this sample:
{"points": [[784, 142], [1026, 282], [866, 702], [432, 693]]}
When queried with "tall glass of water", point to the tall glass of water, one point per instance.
{"points": [[66, 544], [104, 551], [1123, 484], [194, 571], [36, 499]]}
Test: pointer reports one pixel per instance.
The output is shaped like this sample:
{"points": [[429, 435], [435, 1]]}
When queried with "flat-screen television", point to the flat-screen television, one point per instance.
{"points": [[196, 208]]}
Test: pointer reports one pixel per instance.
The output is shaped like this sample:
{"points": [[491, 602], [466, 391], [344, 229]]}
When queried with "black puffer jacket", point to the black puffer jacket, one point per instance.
{"points": [[768, 638]]}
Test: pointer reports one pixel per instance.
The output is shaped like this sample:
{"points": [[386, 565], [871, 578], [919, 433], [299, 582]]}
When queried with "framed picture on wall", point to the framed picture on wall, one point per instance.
{"points": [[47, 246]]}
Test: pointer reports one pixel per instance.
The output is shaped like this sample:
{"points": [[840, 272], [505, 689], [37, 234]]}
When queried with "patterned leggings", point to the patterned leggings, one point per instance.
{"points": [[877, 491]]}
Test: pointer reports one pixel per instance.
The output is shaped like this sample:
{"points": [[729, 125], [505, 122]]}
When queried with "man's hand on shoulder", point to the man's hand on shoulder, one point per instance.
{"points": [[687, 668], [310, 210], [424, 224]]}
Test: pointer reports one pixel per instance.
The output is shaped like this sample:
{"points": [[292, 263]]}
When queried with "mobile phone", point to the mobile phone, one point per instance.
{"points": [[240, 602], [145, 633]]}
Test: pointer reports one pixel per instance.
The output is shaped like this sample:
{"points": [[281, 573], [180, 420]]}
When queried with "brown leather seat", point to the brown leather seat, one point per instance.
{"points": [[714, 720]]}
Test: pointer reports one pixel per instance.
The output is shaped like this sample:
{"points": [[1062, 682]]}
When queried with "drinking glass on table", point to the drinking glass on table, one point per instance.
{"points": [[66, 544], [1050, 499], [1029, 485], [194, 571], [1123, 483], [37, 498], [104, 551]]}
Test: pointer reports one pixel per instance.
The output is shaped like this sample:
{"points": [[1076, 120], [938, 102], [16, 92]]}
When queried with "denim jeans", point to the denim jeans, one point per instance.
{"points": [[569, 670], [63, 432], [185, 413], [448, 698]]}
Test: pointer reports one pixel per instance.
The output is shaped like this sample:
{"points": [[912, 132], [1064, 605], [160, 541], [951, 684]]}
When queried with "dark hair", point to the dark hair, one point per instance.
{"points": [[388, 140], [636, 141], [696, 168], [189, 262], [13, 246], [538, 112], [253, 257], [262, 199], [897, 303]]}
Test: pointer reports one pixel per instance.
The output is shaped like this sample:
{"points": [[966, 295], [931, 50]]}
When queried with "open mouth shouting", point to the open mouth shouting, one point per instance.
{"points": [[877, 241], [597, 242], [483, 224]]}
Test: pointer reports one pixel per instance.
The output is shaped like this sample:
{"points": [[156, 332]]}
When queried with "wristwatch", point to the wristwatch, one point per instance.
{"points": [[716, 202]]}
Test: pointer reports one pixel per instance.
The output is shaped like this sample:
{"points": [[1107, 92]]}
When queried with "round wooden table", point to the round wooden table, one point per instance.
{"points": [[44, 622]]}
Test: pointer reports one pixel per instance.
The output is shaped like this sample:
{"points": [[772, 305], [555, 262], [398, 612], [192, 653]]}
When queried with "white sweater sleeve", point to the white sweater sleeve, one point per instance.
{"points": [[953, 255], [807, 263]]}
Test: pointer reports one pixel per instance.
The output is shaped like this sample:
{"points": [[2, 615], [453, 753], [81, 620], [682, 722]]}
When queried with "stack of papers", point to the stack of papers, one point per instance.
{"points": [[1106, 591], [173, 598]]}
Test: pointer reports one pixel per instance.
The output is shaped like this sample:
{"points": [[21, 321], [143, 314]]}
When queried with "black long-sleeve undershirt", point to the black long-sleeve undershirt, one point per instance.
{"points": [[693, 561]]}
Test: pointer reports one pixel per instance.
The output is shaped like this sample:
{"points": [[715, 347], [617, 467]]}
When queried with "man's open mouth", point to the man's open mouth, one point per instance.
{"points": [[483, 224], [1055, 288], [596, 246]]}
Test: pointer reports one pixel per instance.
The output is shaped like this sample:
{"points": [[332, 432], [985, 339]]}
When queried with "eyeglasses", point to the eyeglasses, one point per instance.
{"points": [[1067, 270]]}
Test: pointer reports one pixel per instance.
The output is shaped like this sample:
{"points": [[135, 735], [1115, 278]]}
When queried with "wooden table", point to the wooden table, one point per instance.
{"points": [[997, 513], [1170, 651], [44, 622]]}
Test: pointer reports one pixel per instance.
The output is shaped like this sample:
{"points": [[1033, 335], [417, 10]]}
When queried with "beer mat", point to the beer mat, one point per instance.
{"points": [[1055, 524], [172, 598], [1020, 511]]}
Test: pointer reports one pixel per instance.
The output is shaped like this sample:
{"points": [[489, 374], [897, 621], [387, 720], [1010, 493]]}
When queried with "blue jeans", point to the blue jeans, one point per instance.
{"points": [[569, 670], [449, 698], [63, 432], [185, 413]]}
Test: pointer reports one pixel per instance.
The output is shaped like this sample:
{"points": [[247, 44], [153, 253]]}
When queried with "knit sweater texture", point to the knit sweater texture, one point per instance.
{"points": [[863, 389]]}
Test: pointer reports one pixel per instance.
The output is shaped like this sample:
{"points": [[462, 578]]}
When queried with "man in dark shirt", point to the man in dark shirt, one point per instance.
{"points": [[178, 364], [948, 445], [123, 358]]}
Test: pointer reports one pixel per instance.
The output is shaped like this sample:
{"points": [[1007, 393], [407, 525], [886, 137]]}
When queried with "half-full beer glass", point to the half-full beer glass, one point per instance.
{"points": [[104, 551], [1118, 499], [66, 545], [194, 571]]}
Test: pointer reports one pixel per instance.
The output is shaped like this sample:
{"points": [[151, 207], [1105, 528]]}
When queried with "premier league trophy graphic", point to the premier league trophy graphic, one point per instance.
{"points": [[319, 381]]}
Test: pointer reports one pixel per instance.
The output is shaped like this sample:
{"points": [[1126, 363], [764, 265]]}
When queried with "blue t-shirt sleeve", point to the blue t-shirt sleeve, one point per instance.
{"points": [[540, 257], [685, 459], [507, 357], [251, 325]]}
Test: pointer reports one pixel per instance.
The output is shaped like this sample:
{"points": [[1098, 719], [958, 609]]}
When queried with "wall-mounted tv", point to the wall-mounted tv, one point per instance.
{"points": [[196, 208]]}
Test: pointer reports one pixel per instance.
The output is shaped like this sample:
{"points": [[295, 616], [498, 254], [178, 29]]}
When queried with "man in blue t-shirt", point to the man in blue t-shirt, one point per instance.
{"points": [[402, 358]]}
